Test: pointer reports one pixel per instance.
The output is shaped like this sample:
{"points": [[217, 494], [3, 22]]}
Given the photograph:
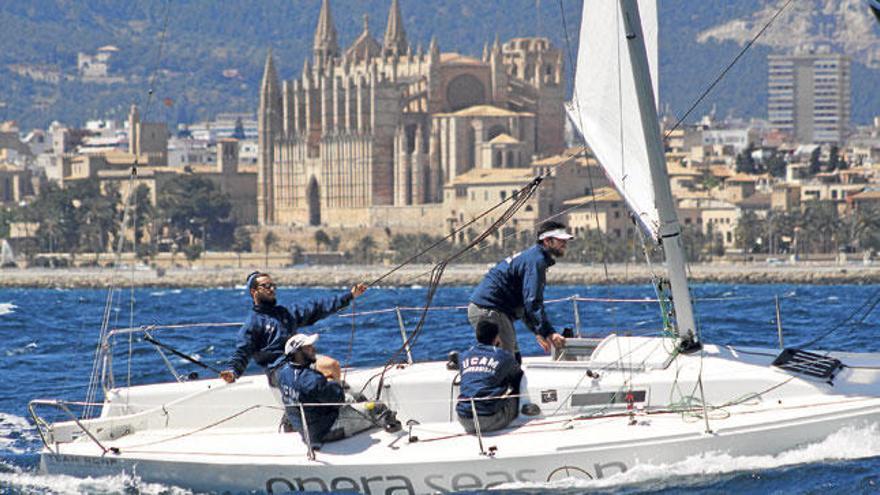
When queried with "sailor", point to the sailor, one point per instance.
{"points": [[514, 289], [270, 325], [488, 371], [307, 381]]}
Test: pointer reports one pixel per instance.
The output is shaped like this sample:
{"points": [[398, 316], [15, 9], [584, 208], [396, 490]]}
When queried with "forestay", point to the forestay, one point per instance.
{"points": [[605, 106]]}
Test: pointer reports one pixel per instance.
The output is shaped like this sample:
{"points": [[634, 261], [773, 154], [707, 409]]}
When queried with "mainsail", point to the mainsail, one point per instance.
{"points": [[605, 108]]}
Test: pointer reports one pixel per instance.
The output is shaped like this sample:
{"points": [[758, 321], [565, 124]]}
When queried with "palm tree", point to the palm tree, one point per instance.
{"points": [[321, 238], [269, 240], [363, 251]]}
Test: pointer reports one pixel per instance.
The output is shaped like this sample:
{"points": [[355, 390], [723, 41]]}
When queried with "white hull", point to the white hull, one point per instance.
{"points": [[207, 435]]}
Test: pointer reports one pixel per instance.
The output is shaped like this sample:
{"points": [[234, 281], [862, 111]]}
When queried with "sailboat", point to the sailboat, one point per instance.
{"points": [[7, 257], [597, 407]]}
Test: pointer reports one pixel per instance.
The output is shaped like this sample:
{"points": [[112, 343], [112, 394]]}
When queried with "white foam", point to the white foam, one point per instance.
{"points": [[7, 308], [848, 443], [61, 484], [16, 433], [22, 350]]}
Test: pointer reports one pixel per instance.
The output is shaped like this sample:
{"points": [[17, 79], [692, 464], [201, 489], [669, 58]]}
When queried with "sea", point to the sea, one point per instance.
{"points": [[48, 339]]}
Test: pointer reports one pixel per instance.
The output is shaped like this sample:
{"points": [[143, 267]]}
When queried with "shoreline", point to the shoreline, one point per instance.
{"points": [[457, 275]]}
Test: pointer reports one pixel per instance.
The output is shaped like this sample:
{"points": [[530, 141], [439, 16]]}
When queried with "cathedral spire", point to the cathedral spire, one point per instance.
{"points": [[395, 37], [325, 46], [269, 84]]}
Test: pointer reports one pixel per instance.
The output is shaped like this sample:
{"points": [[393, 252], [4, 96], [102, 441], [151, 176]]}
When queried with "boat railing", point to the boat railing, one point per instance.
{"points": [[43, 428], [108, 380]]}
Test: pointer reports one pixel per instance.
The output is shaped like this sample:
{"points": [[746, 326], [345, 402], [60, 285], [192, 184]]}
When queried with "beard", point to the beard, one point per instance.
{"points": [[557, 252], [266, 300]]}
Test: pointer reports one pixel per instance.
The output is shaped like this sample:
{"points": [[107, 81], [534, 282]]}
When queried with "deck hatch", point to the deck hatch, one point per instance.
{"points": [[808, 363], [606, 398]]}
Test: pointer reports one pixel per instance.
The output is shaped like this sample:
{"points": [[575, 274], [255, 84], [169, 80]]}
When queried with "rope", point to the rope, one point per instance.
{"points": [[437, 274], [866, 308]]}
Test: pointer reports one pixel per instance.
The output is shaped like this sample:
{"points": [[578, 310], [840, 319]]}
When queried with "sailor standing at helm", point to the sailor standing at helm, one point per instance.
{"points": [[514, 289], [270, 325]]}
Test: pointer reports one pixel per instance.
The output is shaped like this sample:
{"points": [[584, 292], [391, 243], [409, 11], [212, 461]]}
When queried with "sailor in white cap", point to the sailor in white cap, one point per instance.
{"points": [[514, 289], [329, 412]]}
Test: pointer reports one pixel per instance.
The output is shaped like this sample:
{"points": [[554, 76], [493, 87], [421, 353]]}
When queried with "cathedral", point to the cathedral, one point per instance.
{"points": [[380, 127]]}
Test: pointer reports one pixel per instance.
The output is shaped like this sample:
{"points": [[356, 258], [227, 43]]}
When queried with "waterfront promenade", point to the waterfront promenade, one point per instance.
{"points": [[470, 274]]}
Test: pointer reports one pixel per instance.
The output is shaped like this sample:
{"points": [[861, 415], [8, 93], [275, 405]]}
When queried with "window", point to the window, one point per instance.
{"points": [[503, 195]]}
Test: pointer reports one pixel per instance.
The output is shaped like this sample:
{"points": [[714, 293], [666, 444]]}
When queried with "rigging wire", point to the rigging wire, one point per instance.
{"points": [[437, 273], [127, 213], [729, 66]]}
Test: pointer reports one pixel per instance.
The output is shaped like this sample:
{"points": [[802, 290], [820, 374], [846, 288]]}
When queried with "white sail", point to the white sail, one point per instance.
{"points": [[605, 108], [7, 257]]}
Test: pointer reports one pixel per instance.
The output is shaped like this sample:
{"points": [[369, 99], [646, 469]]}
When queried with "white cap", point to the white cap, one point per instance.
{"points": [[298, 341], [556, 234]]}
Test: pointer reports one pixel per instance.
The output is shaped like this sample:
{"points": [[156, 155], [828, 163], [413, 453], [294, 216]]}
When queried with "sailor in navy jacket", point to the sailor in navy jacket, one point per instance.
{"points": [[514, 289], [486, 371], [263, 335], [300, 384]]}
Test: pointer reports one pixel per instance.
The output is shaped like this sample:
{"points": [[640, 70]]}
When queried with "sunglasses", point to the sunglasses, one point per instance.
{"points": [[266, 286]]}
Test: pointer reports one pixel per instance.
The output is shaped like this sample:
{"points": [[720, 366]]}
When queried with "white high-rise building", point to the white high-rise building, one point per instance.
{"points": [[810, 94]]}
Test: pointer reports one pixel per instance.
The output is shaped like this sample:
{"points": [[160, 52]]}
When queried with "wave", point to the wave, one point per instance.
{"points": [[21, 350], [29, 482], [846, 444], [7, 308], [16, 434]]}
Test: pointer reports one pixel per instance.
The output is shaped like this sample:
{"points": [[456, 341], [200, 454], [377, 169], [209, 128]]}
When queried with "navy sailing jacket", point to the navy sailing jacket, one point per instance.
{"points": [[515, 286], [303, 385], [486, 371], [263, 335]]}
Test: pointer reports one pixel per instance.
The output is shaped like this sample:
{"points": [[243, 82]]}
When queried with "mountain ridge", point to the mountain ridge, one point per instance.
{"points": [[214, 51]]}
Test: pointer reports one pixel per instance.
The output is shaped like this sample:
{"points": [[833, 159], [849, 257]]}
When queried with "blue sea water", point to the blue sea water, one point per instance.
{"points": [[48, 339]]}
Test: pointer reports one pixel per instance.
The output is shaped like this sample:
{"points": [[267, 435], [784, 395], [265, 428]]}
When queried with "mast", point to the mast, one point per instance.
{"points": [[670, 231]]}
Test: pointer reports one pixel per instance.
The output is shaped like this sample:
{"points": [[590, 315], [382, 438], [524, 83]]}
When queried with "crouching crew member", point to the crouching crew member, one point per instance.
{"points": [[300, 383], [488, 371]]}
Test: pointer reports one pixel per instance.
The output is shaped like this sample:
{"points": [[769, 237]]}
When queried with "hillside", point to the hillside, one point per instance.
{"points": [[213, 53]]}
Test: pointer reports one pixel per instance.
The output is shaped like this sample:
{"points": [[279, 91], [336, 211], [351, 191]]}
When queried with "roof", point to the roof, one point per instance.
{"points": [[553, 160], [486, 111], [601, 195], [744, 178], [721, 171], [453, 58], [756, 201], [873, 195], [494, 176], [674, 169], [504, 139]]}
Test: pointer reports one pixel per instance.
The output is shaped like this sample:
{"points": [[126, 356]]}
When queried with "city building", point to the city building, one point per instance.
{"points": [[379, 125], [810, 94]]}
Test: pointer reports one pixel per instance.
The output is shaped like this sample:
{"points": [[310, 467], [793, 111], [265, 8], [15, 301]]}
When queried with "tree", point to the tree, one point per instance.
{"points": [[776, 164], [745, 164], [815, 163], [747, 232], [269, 240], [834, 160], [708, 180], [142, 217], [242, 240], [363, 250], [321, 239], [191, 203], [238, 133]]}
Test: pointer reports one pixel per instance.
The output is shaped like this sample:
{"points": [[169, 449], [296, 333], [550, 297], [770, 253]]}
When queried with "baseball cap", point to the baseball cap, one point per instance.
{"points": [[298, 341]]}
